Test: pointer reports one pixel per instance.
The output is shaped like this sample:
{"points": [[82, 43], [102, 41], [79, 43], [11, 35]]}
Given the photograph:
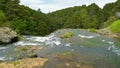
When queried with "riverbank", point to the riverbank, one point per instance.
{"points": [[25, 63], [107, 32]]}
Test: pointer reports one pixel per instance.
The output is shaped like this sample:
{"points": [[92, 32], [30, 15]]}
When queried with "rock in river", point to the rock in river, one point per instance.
{"points": [[25, 63], [7, 35]]}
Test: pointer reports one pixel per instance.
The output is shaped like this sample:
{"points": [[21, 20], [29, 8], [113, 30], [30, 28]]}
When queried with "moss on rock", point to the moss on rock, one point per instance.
{"points": [[67, 35]]}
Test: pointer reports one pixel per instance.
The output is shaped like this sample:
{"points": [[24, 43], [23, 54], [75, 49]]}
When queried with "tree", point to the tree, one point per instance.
{"points": [[2, 16]]}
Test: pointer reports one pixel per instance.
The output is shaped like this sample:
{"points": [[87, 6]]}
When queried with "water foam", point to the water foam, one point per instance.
{"points": [[2, 48], [114, 48], [68, 44], [35, 40], [2, 58], [84, 36], [23, 43], [103, 40]]}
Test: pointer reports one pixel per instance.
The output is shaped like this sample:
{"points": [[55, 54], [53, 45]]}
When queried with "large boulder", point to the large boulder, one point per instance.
{"points": [[7, 35]]}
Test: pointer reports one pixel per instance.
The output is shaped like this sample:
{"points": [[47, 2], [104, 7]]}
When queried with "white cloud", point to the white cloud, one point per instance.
{"points": [[53, 5], [31, 2]]}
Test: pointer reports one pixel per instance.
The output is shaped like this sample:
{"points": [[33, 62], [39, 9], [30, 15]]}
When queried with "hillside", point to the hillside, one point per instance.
{"points": [[23, 19], [26, 21], [90, 16], [74, 37]]}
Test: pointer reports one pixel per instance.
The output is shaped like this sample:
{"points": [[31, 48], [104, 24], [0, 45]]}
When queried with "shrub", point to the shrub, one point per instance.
{"points": [[68, 53], [115, 27], [92, 30], [25, 48], [16, 63], [19, 37], [67, 35]]}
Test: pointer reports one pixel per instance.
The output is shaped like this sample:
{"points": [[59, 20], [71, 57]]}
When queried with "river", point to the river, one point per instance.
{"points": [[84, 48]]}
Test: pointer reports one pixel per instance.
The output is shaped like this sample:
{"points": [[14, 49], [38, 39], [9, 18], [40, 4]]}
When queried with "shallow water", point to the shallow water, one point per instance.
{"points": [[84, 49]]}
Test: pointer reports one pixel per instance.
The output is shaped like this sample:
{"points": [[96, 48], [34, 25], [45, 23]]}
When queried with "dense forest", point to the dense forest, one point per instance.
{"points": [[90, 16], [25, 20]]}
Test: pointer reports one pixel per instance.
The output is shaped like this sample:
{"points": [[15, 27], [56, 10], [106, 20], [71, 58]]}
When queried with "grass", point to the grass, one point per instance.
{"points": [[16, 63], [25, 48], [92, 30], [115, 27], [68, 53], [67, 35]]}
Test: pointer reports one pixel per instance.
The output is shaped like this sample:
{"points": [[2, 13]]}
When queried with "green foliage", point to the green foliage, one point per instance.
{"points": [[115, 27], [77, 17], [109, 21], [3, 19], [92, 30], [30, 22], [23, 19], [90, 16], [25, 48], [67, 53], [19, 37], [19, 25], [67, 35], [16, 63], [2, 16]]}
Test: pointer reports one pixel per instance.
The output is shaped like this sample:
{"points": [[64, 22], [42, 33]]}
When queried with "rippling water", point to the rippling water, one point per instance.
{"points": [[84, 48]]}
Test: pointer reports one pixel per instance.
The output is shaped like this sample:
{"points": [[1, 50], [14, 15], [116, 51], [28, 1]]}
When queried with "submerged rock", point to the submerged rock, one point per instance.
{"points": [[7, 35], [25, 63], [27, 51]]}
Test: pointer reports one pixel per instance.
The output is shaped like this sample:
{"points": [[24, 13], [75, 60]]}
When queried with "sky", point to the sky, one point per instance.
{"points": [[47, 6]]}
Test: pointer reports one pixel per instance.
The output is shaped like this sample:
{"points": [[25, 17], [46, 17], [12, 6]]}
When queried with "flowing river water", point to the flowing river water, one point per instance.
{"points": [[83, 49]]}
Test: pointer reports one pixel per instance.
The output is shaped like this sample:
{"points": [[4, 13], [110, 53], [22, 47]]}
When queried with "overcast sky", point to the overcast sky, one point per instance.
{"points": [[53, 5]]}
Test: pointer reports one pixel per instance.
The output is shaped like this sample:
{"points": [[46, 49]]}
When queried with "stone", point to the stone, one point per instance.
{"points": [[108, 33], [7, 35], [24, 63], [27, 51]]}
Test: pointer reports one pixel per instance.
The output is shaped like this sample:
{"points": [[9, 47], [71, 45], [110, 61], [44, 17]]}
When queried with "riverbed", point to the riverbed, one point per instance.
{"points": [[83, 50]]}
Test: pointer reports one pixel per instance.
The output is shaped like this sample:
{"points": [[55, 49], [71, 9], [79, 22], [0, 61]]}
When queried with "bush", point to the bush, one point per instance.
{"points": [[2, 16], [115, 27], [67, 35], [19, 37], [16, 63], [25, 48], [92, 30]]}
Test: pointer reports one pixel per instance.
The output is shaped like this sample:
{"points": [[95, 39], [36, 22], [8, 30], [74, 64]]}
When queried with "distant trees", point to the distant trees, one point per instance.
{"points": [[90, 16], [77, 17], [3, 19], [23, 19], [2, 16], [27, 21]]}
